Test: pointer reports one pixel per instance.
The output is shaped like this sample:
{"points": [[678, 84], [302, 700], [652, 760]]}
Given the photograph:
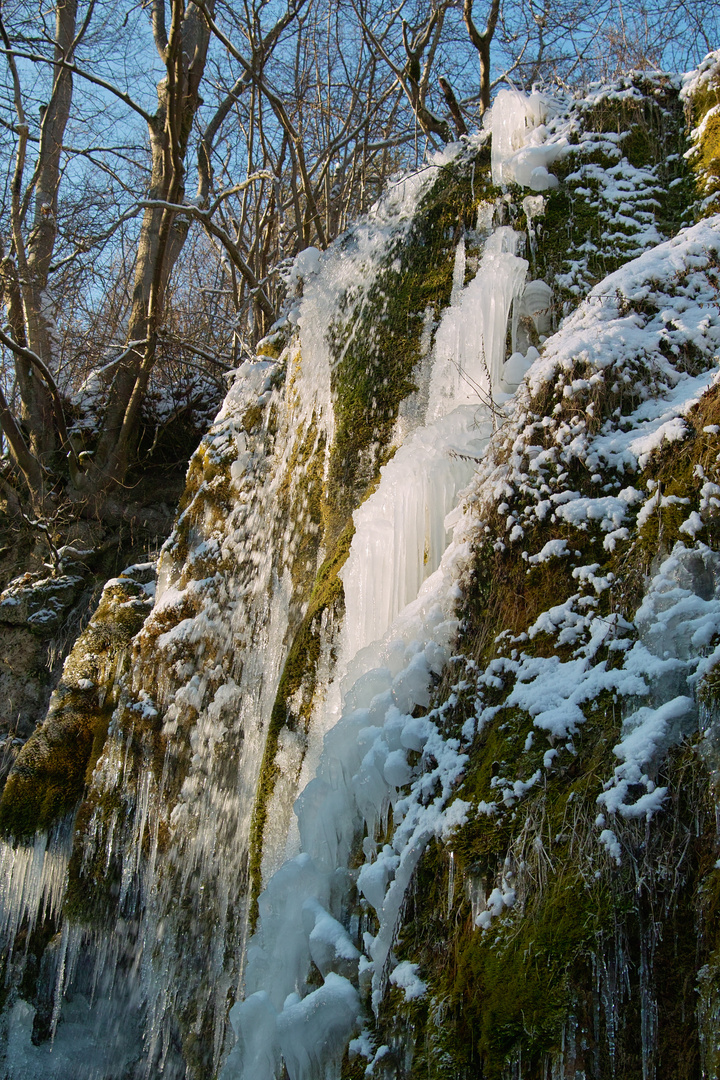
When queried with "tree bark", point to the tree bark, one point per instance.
{"points": [[25, 277]]}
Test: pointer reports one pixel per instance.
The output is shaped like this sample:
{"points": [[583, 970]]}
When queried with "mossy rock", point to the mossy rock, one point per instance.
{"points": [[590, 228], [49, 776], [529, 989], [704, 115]]}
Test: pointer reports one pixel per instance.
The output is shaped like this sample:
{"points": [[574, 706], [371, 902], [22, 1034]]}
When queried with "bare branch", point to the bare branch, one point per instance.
{"points": [[34, 359], [231, 248], [38, 58]]}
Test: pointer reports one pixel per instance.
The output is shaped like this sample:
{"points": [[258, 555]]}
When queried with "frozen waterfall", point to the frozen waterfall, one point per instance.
{"points": [[401, 587], [364, 746]]}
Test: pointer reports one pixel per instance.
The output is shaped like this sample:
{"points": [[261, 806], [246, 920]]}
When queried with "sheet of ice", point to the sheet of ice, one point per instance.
{"points": [[470, 341], [314, 1031], [400, 531], [84, 1044], [363, 763]]}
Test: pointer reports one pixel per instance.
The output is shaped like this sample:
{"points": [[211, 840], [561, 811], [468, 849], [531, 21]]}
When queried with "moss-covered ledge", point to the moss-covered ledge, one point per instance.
{"points": [[52, 769]]}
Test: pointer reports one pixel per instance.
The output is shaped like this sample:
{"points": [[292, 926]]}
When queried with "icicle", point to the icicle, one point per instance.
{"points": [[534, 207], [477, 895], [458, 271], [470, 341], [400, 532], [33, 879], [451, 883], [60, 981]]}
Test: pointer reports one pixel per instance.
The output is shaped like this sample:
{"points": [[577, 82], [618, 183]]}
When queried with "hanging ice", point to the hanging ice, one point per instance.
{"points": [[400, 589], [520, 154], [400, 530]]}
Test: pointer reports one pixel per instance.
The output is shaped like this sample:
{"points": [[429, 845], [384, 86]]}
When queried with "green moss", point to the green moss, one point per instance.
{"points": [[55, 764], [49, 778], [518, 994], [300, 497], [705, 159], [584, 234], [273, 345], [521, 985], [252, 418]]}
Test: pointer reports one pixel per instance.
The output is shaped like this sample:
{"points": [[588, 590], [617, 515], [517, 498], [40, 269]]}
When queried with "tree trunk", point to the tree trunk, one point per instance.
{"points": [[162, 233], [25, 278]]}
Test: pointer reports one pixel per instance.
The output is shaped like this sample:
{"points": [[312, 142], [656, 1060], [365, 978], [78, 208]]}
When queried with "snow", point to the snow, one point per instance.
{"points": [[610, 841], [405, 977], [707, 71], [400, 585]]}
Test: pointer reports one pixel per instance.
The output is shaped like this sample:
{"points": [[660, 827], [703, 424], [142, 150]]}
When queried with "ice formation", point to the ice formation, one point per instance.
{"points": [[520, 154], [367, 764], [365, 776], [400, 583], [470, 342], [32, 880]]}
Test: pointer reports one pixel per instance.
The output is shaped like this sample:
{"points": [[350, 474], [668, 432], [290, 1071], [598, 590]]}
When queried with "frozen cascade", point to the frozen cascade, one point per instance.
{"points": [[207, 668], [400, 583], [451, 884], [400, 530], [237, 627], [519, 152], [401, 587]]}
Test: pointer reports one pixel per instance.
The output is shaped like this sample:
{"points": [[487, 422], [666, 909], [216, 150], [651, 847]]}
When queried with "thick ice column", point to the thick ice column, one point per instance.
{"points": [[511, 121]]}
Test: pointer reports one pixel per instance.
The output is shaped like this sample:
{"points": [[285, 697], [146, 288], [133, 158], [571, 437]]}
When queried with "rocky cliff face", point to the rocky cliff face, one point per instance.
{"points": [[409, 759]]}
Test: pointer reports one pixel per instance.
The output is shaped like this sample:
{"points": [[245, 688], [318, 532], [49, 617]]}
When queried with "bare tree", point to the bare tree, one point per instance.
{"points": [[309, 109], [482, 41], [25, 268]]}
